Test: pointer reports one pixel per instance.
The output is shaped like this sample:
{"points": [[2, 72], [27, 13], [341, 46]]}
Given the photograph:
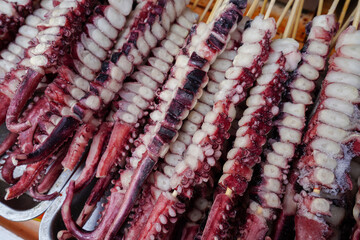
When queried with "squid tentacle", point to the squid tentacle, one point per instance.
{"points": [[78, 145], [61, 132], [31, 175], [195, 78], [66, 20], [131, 108], [8, 142], [289, 127], [50, 177], [178, 147], [93, 157], [184, 190], [102, 90], [90, 205], [15, 53], [119, 57], [7, 171], [262, 106], [330, 144]]}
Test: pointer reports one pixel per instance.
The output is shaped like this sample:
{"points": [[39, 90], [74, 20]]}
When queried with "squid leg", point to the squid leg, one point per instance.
{"points": [[5, 102], [119, 137], [90, 205], [93, 156], [8, 142], [62, 131], [78, 145], [8, 170], [22, 95]]}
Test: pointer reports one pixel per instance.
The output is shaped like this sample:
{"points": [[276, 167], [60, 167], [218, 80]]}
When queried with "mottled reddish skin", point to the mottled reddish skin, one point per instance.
{"points": [[308, 229], [114, 202], [30, 178], [26, 180], [33, 115], [8, 142], [119, 138], [23, 94], [222, 206], [5, 102], [90, 205], [93, 156], [141, 213], [54, 141], [7, 171], [77, 146], [50, 177]]}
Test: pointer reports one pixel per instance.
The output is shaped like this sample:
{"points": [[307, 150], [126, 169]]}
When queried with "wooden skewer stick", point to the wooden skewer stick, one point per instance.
{"points": [[206, 10], [268, 11], [214, 10], [286, 9], [263, 7], [343, 11], [291, 19], [333, 7], [297, 19], [343, 27], [252, 8], [320, 7], [228, 192], [357, 16], [195, 4]]}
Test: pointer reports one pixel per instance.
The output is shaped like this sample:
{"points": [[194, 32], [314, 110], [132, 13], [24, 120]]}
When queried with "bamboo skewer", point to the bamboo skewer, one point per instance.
{"points": [[297, 21], [343, 11], [263, 7], [268, 11], [333, 7], [252, 8], [214, 10], [343, 27], [320, 7], [206, 10], [357, 16], [286, 9], [291, 19], [195, 4]]}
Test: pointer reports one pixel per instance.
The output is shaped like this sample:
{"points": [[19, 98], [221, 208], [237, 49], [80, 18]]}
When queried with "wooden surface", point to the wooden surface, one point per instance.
{"points": [[28, 230]]}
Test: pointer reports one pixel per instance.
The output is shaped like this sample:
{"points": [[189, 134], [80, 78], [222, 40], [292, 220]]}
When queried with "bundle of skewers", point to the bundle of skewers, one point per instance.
{"points": [[190, 130]]}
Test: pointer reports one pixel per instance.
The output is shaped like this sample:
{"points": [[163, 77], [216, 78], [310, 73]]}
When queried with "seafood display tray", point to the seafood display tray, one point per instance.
{"points": [[25, 207], [52, 222]]}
